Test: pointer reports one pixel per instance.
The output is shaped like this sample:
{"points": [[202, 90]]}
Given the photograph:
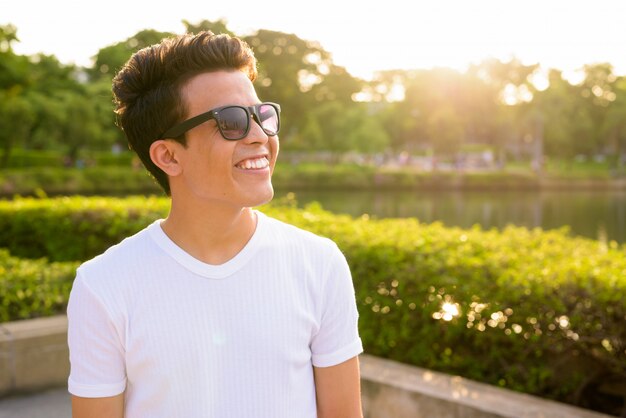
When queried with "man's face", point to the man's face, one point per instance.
{"points": [[236, 173]]}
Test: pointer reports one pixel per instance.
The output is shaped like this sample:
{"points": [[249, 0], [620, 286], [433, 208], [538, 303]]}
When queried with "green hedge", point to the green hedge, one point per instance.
{"points": [[531, 310], [28, 159], [33, 288], [66, 181], [123, 180], [538, 311], [21, 158], [117, 180], [73, 228]]}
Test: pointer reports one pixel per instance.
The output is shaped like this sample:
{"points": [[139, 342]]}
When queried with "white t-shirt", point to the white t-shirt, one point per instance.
{"points": [[187, 339]]}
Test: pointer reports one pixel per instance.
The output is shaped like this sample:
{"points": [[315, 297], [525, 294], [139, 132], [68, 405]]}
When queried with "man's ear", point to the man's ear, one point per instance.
{"points": [[163, 155]]}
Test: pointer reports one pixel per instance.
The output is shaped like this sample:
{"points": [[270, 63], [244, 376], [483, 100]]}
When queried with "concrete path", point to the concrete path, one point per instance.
{"points": [[53, 403]]}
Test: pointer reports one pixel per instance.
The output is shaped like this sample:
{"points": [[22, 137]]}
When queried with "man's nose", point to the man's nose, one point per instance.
{"points": [[256, 133]]}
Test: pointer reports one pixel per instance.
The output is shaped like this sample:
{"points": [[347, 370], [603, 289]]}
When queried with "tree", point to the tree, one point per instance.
{"points": [[337, 127], [16, 118], [445, 131], [433, 100], [283, 60], [217, 26], [299, 75], [25, 82], [45, 131], [13, 68], [102, 103], [614, 124], [336, 85], [8, 35], [597, 91], [79, 125], [47, 74], [567, 125], [507, 91], [501, 74], [396, 114], [110, 59], [366, 132]]}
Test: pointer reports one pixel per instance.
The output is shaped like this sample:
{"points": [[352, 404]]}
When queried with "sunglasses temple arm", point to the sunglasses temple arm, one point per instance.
{"points": [[183, 127]]}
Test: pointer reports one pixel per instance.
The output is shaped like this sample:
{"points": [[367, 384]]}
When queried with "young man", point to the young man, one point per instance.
{"points": [[218, 310]]}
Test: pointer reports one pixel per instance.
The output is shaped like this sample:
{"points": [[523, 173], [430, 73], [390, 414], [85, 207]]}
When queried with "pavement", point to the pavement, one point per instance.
{"points": [[51, 403]]}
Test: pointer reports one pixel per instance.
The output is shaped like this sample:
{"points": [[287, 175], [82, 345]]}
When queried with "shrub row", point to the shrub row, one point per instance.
{"points": [[73, 228], [531, 310], [21, 158], [86, 181], [33, 288], [117, 180]]}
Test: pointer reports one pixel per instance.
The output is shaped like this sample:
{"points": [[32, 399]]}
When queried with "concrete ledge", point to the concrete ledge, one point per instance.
{"points": [[396, 390], [34, 356]]}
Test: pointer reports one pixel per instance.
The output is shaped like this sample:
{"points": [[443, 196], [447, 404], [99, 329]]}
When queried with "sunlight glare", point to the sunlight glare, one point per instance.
{"points": [[448, 311], [396, 94], [428, 37], [539, 79], [512, 95], [574, 77]]}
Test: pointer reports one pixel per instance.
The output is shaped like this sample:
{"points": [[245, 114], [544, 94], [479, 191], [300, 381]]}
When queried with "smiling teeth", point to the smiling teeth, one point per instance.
{"points": [[256, 163]]}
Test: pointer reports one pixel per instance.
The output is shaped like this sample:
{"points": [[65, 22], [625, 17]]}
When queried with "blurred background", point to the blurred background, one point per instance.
{"points": [[471, 114], [498, 112]]}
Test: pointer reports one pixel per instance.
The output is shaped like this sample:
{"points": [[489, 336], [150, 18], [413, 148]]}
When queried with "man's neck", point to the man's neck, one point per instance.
{"points": [[213, 234]]}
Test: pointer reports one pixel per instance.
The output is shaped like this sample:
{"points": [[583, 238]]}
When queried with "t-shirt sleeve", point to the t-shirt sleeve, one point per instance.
{"points": [[337, 339], [96, 351]]}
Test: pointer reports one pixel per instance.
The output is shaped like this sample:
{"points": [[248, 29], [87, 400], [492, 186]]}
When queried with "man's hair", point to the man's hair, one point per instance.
{"points": [[147, 90]]}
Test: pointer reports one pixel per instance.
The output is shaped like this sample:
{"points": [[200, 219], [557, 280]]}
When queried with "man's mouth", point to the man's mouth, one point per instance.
{"points": [[253, 163]]}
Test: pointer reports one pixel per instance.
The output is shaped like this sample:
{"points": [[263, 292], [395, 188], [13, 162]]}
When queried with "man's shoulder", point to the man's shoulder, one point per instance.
{"points": [[287, 240], [133, 250]]}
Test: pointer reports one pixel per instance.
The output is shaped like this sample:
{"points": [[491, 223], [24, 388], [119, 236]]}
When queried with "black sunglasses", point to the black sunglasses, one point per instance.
{"points": [[233, 121]]}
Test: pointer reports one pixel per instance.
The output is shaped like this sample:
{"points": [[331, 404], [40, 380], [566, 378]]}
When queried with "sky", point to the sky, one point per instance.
{"points": [[364, 36]]}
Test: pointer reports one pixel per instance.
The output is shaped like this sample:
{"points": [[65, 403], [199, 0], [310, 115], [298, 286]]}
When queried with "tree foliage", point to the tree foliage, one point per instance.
{"points": [[110, 59], [337, 127], [50, 105]]}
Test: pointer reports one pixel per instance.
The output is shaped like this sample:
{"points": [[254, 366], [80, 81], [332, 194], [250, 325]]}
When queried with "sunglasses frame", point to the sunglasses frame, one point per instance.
{"points": [[251, 111]]}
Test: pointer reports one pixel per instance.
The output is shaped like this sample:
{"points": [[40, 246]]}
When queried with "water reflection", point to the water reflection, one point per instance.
{"points": [[597, 215]]}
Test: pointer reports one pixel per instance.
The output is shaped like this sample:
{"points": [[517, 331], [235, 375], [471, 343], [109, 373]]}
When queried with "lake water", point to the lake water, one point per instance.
{"points": [[598, 215]]}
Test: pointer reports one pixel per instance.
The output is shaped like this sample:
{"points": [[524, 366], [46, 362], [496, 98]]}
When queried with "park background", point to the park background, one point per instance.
{"points": [[502, 143]]}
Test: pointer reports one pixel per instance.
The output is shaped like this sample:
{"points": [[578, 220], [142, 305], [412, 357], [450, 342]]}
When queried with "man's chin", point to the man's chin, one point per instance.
{"points": [[265, 198]]}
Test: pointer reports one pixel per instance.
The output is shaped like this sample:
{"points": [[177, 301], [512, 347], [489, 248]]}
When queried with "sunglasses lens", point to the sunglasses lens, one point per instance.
{"points": [[233, 122], [269, 119]]}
